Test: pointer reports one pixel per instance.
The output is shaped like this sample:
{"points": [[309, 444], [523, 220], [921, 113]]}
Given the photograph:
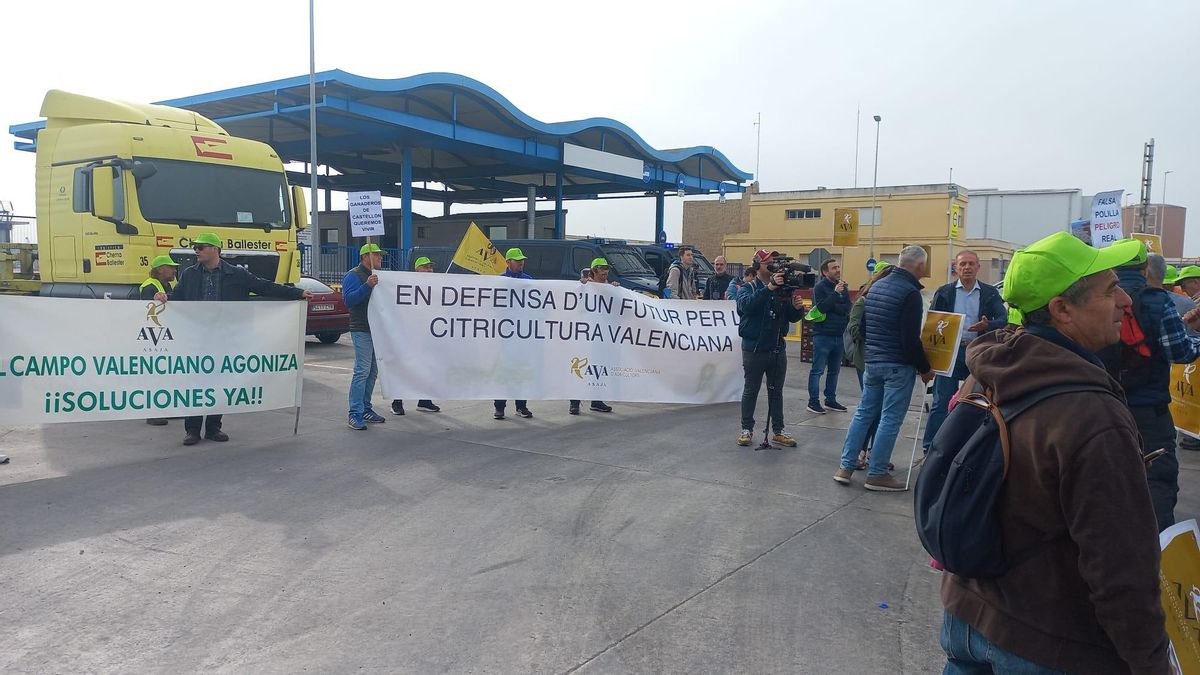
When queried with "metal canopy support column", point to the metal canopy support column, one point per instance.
{"points": [[531, 213], [660, 235], [406, 238], [559, 230]]}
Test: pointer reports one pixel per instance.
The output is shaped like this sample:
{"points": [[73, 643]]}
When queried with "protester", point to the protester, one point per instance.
{"points": [[357, 287], [597, 273], [736, 284], [1082, 594], [764, 321], [681, 277], [831, 298], [1189, 282], [157, 287], [719, 281], [1143, 367], [1183, 305], [984, 311], [855, 343], [514, 260], [209, 280], [422, 264], [894, 356]]}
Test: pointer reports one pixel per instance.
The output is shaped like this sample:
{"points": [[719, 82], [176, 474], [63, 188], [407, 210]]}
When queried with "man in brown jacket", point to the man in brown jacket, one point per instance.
{"points": [[1075, 509]]}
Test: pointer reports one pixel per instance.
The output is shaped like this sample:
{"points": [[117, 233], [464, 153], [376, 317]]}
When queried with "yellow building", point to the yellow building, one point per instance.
{"points": [[797, 223]]}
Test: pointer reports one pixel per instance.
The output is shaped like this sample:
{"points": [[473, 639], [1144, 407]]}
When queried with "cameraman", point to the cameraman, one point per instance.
{"points": [[765, 315]]}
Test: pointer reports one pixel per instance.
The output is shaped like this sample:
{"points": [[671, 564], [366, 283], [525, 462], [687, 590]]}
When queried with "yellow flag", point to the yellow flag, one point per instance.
{"points": [[1179, 584], [845, 227], [477, 254], [1185, 404], [1153, 242], [955, 220], [940, 337]]}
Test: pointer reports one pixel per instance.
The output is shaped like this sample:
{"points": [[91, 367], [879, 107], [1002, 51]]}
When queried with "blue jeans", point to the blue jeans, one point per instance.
{"points": [[366, 369], [887, 392], [827, 355], [969, 653], [943, 391]]}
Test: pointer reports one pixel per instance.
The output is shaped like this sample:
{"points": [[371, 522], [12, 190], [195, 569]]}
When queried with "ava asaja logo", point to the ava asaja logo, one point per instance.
{"points": [[155, 332], [586, 371]]}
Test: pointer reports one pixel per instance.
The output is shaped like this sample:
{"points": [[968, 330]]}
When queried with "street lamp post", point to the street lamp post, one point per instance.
{"points": [[874, 187], [1163, 205]]}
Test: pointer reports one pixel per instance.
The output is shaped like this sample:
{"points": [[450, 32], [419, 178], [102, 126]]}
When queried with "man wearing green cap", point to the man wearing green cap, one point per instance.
{"points": [[514, 260], [157, 288], [599, 270], [422, 264], [212, 279], [1142, 364], [1074, 499], [1188, 281], [357, 285]]}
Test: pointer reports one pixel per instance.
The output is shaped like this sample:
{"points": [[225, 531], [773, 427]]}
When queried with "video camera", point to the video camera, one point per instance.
{"points": [[796, 275]]}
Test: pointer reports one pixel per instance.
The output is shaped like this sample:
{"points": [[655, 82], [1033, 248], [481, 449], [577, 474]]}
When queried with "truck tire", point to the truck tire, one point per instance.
{"points": [[328, 338]]}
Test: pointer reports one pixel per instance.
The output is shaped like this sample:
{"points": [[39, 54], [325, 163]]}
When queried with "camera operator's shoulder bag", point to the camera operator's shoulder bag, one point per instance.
{"points": [[957, 493]]}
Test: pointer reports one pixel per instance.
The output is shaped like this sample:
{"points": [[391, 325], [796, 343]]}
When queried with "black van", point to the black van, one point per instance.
{"points": [[660, 258], [564, 258]]}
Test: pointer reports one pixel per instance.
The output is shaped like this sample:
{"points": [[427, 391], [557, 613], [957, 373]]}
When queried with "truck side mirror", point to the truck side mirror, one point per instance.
{"points": [[300, 206], [103, 194]]}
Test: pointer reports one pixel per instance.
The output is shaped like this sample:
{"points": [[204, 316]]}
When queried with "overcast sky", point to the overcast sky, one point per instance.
{"points": [[1021, 94]]}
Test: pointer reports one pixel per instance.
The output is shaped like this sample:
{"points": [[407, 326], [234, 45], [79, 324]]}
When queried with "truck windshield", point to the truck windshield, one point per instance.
{"points": [[195, 193], [626, 261]]}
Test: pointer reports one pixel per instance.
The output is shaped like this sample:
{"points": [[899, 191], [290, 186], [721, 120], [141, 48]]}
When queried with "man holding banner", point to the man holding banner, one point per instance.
{"points": [[357, 286], [212, 279], [514, 261], [424, 265], [598, 274]]}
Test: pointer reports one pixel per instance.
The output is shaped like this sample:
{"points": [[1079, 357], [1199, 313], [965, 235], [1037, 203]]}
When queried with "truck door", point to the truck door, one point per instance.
{"points": [[66, 231]]}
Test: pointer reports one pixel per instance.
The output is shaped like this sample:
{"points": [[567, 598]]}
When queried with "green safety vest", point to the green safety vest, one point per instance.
{"points": [[153, 281]]}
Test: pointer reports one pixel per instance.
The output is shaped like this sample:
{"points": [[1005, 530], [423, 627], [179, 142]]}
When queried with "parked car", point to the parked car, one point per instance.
{"points": [[660, 258], [328, 316]]}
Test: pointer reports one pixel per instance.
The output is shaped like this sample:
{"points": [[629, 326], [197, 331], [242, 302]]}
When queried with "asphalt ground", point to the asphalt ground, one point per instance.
{"points": [[641, 541]]}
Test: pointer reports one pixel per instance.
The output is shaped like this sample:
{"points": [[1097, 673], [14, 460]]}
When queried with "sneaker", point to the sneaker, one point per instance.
{"points": [[574, 409], [373, 417], [398, 407], [191, 439], [600, 406], [835, 406], [815, 407], [499, 414], [843, 476], [783, 439], [218, 436], [744, 437], [427, 406], [525, 412], [884, 483], [355, 422]]}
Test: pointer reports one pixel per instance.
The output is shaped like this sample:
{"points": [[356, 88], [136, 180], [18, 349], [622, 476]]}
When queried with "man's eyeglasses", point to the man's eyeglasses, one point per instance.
{"points": [[201, 247]]}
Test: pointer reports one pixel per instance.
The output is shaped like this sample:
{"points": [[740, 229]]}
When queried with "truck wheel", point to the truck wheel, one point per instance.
{"points": [[328, 338]]}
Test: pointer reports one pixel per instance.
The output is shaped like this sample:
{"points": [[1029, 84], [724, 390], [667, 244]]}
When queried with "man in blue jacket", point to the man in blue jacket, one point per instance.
{"points": [[984, 311], [357, 286], [514, 259], [832, 298], [764, 321]]}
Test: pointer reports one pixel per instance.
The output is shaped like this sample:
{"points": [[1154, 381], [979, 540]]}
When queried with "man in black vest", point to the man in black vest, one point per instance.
{"points": [[894, 356], [984, 310], [356, 290]]}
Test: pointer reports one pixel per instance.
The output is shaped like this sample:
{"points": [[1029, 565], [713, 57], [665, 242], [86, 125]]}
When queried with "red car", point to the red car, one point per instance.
{"points": [[328, 316]]}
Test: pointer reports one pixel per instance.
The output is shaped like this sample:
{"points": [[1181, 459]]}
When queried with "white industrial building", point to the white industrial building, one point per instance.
{"points": [[1021, 217]]}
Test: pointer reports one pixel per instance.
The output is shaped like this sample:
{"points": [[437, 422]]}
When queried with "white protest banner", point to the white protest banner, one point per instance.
{"points": [[1106, 218], [366, 213], [488, 337], [70, 360]]}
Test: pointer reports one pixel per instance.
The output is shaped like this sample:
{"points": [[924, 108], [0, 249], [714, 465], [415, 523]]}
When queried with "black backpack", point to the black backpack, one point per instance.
{"points": [[958, 490]]}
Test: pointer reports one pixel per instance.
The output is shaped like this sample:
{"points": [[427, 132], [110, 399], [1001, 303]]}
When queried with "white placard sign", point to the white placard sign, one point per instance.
{"points": [[488, 337], [366, 213], [72, 360], [1106, 218]]}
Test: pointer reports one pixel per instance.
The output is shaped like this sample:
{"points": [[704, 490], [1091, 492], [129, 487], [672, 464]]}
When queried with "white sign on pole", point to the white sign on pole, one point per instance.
{"points": [[1106, 218], [366, 213], [123, 359], [491, 337]]}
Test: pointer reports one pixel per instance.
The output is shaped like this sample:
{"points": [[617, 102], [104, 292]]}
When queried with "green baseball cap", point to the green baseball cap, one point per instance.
{"points": [[815, 315], [369, 248], [207, 238], [599, 262], [514, 254], [161, 260], [1048, 266], [1140, 258], [422, 261], [880, 266], [1171, 275], [1189, 272]]}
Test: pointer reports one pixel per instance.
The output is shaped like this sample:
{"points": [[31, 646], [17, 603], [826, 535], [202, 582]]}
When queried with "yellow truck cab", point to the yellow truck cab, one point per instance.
{"points": [[119, 183]]}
